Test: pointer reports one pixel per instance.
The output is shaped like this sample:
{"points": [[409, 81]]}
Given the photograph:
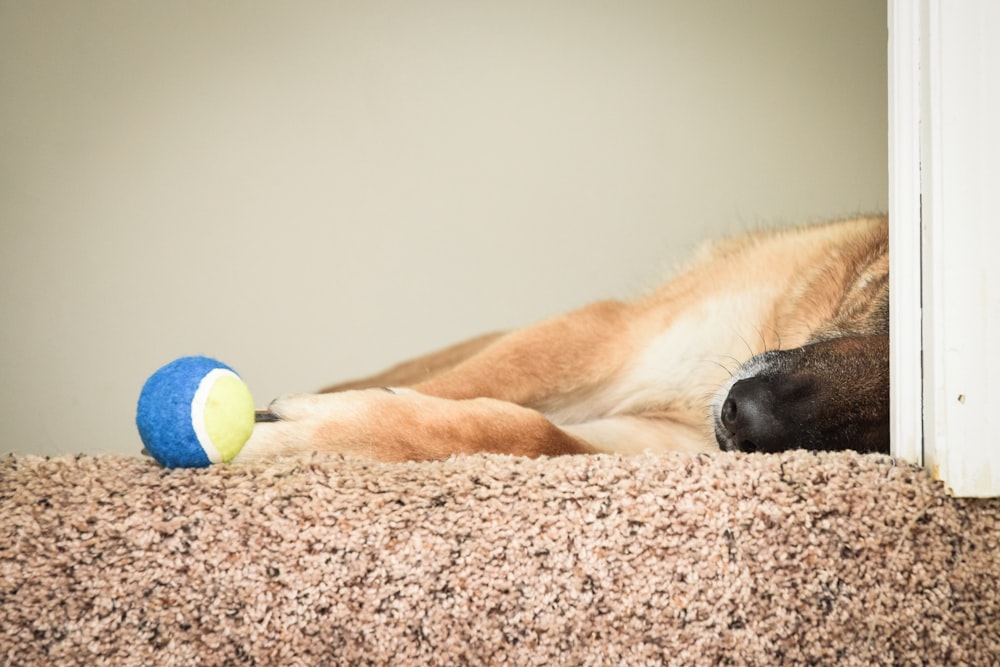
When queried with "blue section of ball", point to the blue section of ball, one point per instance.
{"points": [[164, 412]]}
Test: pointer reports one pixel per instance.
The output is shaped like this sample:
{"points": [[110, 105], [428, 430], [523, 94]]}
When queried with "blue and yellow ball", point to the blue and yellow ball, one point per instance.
{"points": [[193, 412]]}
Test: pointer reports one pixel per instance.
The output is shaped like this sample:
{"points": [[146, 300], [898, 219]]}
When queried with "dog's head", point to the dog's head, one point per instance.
{"points": [[830, 394]]}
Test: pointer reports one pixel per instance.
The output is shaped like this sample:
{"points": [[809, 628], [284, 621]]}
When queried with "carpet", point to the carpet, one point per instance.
{"points": [[798, 559]]}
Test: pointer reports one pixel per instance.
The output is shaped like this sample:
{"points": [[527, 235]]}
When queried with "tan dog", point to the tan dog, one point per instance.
{"points": [[767, 342]]}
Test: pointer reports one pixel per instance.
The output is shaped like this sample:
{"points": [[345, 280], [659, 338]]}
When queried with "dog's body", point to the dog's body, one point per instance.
{"points": [[765, 343]]}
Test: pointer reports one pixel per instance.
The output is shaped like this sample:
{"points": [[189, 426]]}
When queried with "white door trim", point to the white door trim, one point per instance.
{"points": [[906, 418], [949, 51]]}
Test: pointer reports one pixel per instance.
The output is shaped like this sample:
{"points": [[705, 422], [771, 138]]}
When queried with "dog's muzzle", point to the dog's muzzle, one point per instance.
{"points": [[828, 395]]}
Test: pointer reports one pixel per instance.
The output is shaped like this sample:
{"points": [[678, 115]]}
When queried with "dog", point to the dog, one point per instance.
{"points": [[766, 342]]}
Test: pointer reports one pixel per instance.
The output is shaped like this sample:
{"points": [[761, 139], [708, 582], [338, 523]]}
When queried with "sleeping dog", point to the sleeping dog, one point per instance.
{"points": [[766, 342]]}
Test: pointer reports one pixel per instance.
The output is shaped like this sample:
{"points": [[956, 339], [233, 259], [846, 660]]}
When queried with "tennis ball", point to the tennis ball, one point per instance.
{"points": [[193, 412]]}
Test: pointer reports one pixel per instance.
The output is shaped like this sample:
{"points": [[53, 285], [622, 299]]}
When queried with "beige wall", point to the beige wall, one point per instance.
{"points": [[311, 190]]}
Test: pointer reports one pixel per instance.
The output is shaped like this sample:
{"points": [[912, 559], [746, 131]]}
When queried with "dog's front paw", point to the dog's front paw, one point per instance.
{"points": [[298, 423], [288, 426]]}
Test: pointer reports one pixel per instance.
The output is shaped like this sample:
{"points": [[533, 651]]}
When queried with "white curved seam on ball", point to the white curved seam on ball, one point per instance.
{"points": [[198, 404]]}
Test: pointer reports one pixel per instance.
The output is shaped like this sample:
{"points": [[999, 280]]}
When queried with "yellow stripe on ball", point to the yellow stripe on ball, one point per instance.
{"points": [[222, 414]]}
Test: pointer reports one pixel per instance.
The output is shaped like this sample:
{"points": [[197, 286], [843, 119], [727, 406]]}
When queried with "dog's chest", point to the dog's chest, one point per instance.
{"points": [[678, 367]]}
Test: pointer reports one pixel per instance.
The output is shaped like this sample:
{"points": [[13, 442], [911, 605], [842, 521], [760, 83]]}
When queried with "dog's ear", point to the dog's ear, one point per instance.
{"points": [[828, 395]]}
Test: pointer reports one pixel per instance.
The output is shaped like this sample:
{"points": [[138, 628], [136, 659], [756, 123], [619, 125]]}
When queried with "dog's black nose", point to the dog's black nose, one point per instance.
{"points": [[748, 414]]}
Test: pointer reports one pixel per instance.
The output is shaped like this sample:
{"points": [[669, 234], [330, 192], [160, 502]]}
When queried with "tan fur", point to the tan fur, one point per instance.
{"points": [[616, 376]]}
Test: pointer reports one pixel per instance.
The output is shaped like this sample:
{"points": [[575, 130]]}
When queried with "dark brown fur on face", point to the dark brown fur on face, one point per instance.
{"points": [[802, 313]]}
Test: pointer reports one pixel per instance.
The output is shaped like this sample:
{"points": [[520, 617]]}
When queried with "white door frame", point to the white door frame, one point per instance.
{"points": [[944, 160]]}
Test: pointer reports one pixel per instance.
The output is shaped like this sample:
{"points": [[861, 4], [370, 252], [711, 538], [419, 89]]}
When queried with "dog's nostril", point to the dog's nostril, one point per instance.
{"points": [[729, 414]]}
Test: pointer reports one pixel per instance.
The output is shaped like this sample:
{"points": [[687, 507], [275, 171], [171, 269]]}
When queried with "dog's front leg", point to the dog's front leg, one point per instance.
{"points": [[491, 401], [406, 425], [556, 359]]}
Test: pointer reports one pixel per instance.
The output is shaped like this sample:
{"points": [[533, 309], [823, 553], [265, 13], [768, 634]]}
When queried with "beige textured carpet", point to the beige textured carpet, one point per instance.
{"points": [[833, 559]]}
